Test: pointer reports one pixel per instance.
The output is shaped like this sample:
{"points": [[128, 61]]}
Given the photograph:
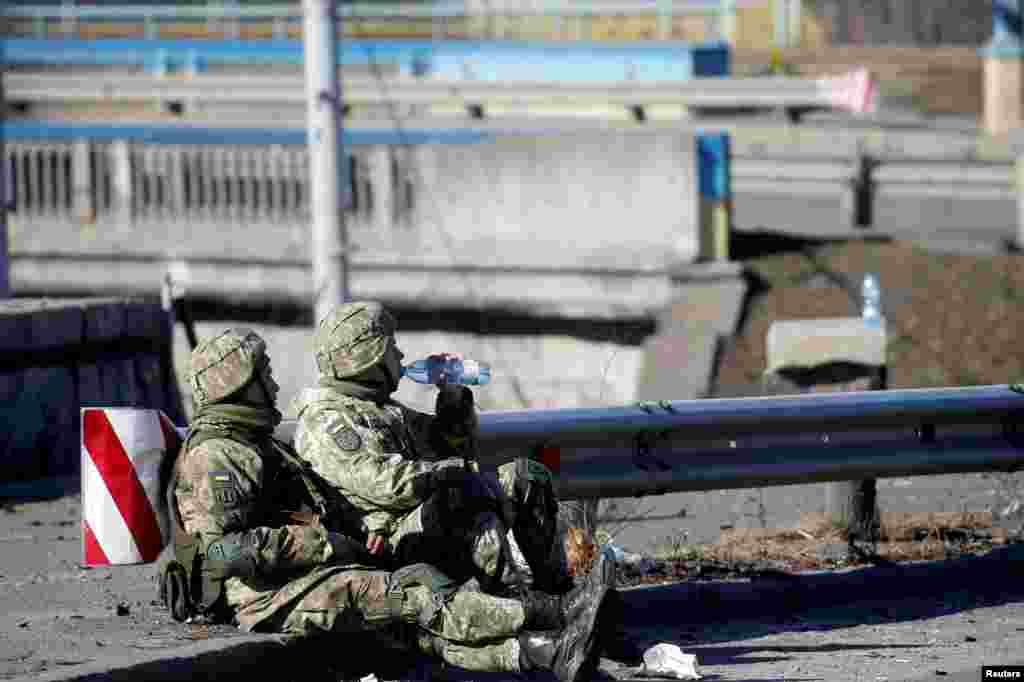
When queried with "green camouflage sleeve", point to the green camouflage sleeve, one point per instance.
{"points": [[218, 493], [353, 459]]}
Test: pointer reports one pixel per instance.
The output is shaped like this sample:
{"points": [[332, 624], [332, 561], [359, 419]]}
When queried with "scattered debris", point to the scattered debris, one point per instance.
{"points": [[1010, 509], [199, 631], [23, 624], [123, 609]]}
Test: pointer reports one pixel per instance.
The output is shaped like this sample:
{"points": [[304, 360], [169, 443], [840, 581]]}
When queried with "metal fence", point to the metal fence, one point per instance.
{"points": [[91, 180]]}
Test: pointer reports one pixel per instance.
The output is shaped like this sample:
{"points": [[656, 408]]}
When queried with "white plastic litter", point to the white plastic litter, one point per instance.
{"points": [[668, 660], [631, 560]]}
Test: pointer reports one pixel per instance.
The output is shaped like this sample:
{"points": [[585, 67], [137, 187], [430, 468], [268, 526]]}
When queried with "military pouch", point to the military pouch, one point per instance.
{"points": [[440, 585], [183, 587], [174, 591]]}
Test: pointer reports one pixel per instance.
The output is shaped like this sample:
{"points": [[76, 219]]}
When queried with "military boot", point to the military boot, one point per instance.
{"points": [[573, 653], [549, 611]]}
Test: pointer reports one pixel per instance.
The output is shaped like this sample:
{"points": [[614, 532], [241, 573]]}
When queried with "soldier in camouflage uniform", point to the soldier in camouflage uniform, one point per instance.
{"points": [[407, 471], [257, 542]]}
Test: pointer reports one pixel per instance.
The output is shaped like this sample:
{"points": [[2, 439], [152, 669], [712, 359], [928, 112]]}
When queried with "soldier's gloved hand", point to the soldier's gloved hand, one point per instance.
{"points": [[466, 490], [232, 556], [346, 550], [455, 418]]}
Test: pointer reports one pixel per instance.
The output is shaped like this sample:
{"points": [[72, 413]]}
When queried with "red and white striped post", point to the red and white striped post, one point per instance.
{"points": [[124, 511]]}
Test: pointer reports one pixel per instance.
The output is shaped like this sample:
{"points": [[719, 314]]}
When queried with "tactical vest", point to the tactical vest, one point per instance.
{"points": [[291, 495]]}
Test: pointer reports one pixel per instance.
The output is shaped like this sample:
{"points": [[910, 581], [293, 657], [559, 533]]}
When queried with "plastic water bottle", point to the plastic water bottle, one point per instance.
{"points": [[871, 297], [450, 371]]}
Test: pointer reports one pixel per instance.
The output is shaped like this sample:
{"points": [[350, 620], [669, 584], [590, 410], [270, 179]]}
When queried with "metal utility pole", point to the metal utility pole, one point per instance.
{"points": [[327, 171]]}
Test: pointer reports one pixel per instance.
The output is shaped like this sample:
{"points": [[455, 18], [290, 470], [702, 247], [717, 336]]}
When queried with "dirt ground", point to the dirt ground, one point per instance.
{"points": [[953, 320]]}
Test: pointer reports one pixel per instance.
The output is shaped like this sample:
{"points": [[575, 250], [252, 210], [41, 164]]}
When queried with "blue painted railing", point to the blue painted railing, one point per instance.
{"points": [[194, 135], [479, 60]]}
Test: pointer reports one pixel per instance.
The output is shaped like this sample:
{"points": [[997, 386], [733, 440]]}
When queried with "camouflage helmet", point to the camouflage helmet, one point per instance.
{"points": [[223, 365], [352, 338]]}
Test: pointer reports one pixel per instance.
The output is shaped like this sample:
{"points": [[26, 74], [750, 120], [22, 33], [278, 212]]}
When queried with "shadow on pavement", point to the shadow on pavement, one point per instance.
{"points": [[697, 615]]}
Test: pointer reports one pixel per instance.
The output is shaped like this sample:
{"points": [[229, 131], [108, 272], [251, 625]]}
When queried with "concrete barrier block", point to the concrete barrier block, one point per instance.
{"points": [[34, 325], [149, 376], [90, 385], [40, 427], [129, 385], [57, 356], [143, 319], [104, 321], [811, 343]]}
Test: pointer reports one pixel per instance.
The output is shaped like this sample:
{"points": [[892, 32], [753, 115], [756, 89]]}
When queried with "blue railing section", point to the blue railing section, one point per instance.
{"points": [[194, 135], [478, 60]]}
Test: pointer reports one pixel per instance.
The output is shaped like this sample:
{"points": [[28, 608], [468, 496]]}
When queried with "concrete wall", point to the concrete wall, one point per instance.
{"points": [[625, 201], [59, 355], [581, 223]]}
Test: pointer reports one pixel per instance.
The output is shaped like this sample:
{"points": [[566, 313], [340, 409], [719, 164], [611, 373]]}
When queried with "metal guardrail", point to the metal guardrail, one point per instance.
{"points": [[698, 92], [861, 180], [482, 18], [752, 442]]}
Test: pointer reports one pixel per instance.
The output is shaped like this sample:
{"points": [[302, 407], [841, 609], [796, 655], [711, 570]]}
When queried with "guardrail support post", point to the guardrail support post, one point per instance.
{"points": [[714, 173], [81, 182], [826, 356], [1004, 68], [858, 200]]}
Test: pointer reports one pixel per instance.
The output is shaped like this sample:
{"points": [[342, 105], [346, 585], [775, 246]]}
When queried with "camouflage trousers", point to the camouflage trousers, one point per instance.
{"points": [[496, 548], [468, 628]]}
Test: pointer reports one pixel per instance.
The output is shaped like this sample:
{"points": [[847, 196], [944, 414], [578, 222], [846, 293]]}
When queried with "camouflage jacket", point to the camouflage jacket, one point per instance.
{"points": [[221, 487], [376, 455]]}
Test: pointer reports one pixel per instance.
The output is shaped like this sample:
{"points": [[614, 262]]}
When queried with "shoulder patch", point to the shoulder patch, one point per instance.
{"points": [[221, 478], [347, 439], [225, 490]]}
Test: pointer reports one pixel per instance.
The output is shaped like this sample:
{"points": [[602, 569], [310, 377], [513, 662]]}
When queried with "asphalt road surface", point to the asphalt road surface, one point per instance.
{"points": [[59, 615]]}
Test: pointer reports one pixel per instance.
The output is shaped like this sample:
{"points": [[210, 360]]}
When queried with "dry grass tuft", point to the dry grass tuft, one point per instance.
{"points": [[904, 536], [580, 551]]}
